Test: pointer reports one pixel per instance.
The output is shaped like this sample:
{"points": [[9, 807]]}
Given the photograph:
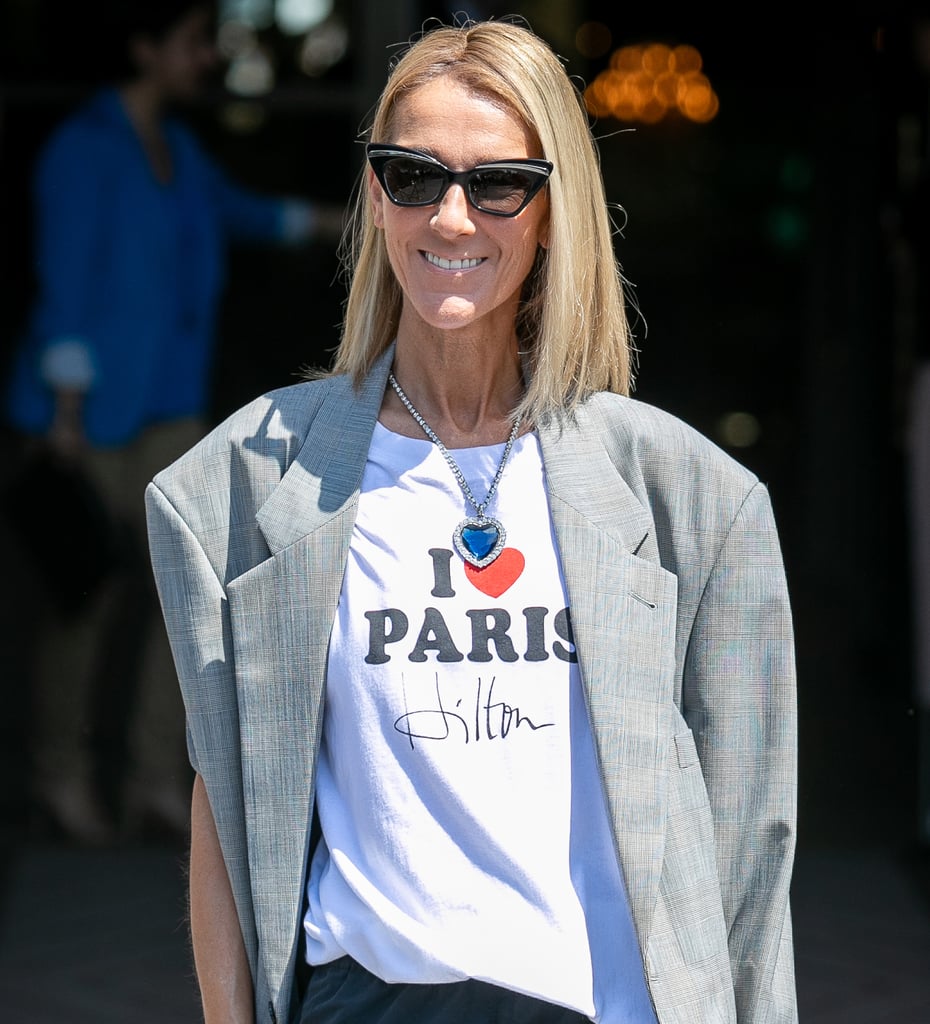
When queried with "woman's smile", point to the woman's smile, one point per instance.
{"points": [[451, 264]]}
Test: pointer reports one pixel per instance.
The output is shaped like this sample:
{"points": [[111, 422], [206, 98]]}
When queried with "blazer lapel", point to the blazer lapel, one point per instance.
{"points": [[282, 613], [623, 613]]}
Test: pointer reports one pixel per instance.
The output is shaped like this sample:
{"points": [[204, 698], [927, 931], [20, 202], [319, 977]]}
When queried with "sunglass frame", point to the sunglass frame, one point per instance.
{"points": [[381, 154]]}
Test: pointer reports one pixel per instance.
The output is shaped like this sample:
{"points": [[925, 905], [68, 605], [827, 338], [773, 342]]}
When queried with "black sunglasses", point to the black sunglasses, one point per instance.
{"points": [[411, 178]]}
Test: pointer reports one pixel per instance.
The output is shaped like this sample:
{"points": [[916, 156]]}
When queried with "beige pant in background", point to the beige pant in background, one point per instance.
{"points": [[79, 656]]}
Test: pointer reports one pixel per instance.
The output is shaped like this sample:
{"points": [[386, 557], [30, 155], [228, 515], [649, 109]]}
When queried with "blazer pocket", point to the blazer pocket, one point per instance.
{"points": [[688, 938], [687, 751], [688, 789]]}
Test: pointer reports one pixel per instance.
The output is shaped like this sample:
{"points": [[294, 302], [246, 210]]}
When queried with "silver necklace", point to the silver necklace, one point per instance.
{"points": [[479, 539]]}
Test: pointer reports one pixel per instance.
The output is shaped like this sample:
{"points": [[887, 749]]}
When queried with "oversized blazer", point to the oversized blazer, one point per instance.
{"points": [[683, 632]]}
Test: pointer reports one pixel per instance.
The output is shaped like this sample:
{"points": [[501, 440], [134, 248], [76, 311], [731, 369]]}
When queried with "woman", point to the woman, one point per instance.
{"points": [[133, 223], [488, 668]]}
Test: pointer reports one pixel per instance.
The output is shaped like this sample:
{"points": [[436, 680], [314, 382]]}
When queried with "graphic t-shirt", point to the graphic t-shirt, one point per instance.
{"points": [[464, 826]]}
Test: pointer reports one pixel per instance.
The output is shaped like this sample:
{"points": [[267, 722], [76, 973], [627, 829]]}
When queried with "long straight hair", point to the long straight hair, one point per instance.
{"points": [[572, 325]]}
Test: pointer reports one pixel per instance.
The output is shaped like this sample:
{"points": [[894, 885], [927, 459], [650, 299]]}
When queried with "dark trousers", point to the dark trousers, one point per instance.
{"points": [[343, 992]]}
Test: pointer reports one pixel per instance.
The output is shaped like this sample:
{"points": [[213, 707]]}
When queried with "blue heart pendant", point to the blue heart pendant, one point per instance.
{"points": [[479, 540]]}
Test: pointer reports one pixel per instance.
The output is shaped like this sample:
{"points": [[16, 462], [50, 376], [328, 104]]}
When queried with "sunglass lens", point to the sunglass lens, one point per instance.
{"points": [[413, 181], [500, 190]]}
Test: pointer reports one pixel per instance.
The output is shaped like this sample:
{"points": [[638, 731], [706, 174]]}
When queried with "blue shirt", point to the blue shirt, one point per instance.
{"points": [[130, 273]]}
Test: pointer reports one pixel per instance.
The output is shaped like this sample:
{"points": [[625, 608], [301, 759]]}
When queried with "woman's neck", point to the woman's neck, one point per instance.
{"points": [[464, 386]]}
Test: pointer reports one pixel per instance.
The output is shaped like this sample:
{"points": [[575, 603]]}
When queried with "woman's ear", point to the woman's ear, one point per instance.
{"points": [[377, 198]]}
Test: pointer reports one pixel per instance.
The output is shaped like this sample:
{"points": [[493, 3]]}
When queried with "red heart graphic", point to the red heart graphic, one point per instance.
{"points": [[500, 575]]}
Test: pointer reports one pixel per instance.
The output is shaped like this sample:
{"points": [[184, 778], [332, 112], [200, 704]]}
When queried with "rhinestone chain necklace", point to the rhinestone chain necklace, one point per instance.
{"points": [[479, 539]]}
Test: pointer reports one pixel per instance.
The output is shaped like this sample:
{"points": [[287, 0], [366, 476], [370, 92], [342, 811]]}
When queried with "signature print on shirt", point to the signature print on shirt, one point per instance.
{"points": [[487, 719]]}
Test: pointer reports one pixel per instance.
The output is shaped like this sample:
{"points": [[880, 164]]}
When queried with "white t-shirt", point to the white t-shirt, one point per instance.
{"points": [[464, 825]]}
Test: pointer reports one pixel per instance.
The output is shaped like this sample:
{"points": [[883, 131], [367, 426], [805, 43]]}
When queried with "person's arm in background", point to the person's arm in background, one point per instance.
{"points": [[289, 220], [70, 213], [305, 221], [219, 952]]}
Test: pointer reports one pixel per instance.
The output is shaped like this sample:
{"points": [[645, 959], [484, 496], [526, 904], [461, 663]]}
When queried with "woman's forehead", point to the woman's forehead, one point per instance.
{"points": [[446, 113]]}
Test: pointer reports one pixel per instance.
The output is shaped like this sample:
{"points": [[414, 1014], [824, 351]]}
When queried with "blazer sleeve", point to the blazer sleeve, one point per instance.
{"points": [[196, 615], [739, 698]]}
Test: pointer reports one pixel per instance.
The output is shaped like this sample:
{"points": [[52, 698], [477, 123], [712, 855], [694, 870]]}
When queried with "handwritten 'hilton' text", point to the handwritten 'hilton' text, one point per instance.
{"points": [[488, 719]]}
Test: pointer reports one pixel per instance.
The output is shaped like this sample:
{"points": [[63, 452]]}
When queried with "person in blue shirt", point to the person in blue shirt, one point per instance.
{"points": [[133, 220]]}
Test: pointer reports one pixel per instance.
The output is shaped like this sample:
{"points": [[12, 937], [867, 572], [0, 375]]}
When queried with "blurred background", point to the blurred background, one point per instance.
{"points": [[768, 169]]}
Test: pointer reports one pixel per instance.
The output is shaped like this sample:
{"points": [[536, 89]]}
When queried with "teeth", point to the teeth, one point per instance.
{"points": [[438, 261]]}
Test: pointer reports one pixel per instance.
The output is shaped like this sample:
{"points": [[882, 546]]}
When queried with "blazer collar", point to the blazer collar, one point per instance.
{"points": [[581, 473], [325, 477]]}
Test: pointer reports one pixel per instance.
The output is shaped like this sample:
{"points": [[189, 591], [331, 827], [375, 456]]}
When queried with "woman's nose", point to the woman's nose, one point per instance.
{"points": [[453, 218]]}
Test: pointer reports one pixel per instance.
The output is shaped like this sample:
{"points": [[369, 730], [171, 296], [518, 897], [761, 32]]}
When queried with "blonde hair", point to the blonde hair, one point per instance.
{"points": [[572, 324]]}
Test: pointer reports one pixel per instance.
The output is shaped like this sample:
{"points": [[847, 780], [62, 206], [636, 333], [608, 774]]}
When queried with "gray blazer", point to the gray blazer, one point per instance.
{"points": [[684, 638]]}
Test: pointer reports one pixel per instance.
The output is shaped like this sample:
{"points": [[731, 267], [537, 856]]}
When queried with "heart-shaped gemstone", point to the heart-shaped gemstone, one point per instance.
{"points": [[480, 539]]}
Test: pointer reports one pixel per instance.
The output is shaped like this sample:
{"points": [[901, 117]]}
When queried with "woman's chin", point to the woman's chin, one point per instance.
{"points": [[452, 314]]}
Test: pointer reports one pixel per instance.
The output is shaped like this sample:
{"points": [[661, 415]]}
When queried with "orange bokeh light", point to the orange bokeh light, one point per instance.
{"points": [[646, 82], [657, 59], [686, 59], [627, 58]]}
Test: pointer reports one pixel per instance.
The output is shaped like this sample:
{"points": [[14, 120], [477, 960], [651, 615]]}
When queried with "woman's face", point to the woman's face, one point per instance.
{"points": [[459, 267]]}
